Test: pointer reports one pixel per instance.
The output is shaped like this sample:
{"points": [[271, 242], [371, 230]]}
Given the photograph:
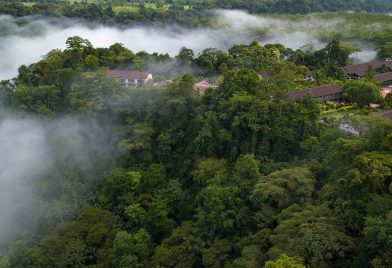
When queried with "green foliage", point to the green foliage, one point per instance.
{"points": [[186, 55], [385, 51], [285, 261], [283, 188], [74, 243], [371, 173], [310, 233], [237, 177], [361, 92], [377, 233], [96, 94], [180, 249], [131, 250], [189, 11], [4, 262]]}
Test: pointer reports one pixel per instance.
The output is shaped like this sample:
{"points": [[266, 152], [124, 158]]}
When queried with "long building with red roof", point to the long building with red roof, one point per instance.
{"points": [[321, 93]]}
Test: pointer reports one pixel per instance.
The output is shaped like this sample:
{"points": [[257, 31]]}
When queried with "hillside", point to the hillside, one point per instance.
{"points": [[196, 134], [186, 12], [159, 174]]}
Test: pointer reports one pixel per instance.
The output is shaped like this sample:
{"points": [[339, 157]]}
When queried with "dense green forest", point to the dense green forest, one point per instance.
{"points": [[187, 12], [238, 177]]}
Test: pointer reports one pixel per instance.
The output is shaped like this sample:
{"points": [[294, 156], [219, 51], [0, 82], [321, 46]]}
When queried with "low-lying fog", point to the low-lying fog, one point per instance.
{"points": [[26, 40], [36, 152]]}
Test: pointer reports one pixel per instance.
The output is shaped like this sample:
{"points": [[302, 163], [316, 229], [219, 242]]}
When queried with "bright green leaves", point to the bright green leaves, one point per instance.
{"points": [[371, 174], [285, 261]]}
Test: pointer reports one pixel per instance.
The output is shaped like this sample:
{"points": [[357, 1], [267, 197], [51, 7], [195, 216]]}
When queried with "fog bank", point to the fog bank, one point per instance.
{"points": [[23, 157], [26, 40], [38, 155]]}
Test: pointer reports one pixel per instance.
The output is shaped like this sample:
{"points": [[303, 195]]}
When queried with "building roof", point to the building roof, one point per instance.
{"points": [[316, 91], [360, 69], [121, 74], [264, 74], [387, 114], [384, 77], [385, 91], [203, 83], [202, 86]]}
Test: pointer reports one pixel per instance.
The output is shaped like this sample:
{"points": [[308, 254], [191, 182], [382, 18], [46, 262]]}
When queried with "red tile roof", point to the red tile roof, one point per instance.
{"points": [[121, 74], [381, 78], [202, 86], [385, 91], [360, 69], [316, 91]]}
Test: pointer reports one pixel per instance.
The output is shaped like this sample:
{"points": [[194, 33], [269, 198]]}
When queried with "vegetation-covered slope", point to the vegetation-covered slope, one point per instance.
{"points": [[188, 12], [238, 177]]}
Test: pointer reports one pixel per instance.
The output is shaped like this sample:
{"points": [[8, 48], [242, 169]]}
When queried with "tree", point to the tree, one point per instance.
{"points": [[371, 173], [242, 80], [181, 249], [378, 239], [210, 171], [221, 211], [22, 98], [175, 103], [77, 48], [95, 95], [158, 218], [138, 63], [185, 55], [131, 249], [253, 248], [119, 186], [138, 144], [285, 261], [254, 56], [310, 232], [210, 59], [337, 54], [75, 242], [385, 51], [135, 214], [91, 62], [77, 43], [218, 254], [370, 74], [246, 172], [248, 113], [283, 188], [362, 92]]}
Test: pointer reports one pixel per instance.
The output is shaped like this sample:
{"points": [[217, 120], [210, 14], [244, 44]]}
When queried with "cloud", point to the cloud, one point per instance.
{"points": [[25, 43], [22, 48], [23, 157], [45, 167], [365, 55]]}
